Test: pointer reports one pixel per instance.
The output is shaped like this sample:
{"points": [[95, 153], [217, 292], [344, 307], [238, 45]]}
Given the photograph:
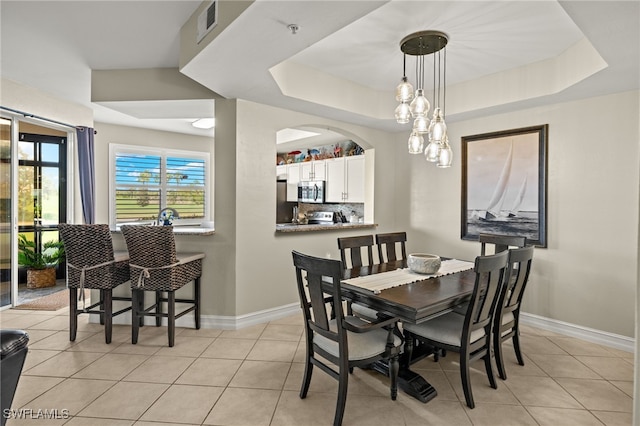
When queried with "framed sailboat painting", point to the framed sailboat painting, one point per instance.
{"points": [[504, 184]]}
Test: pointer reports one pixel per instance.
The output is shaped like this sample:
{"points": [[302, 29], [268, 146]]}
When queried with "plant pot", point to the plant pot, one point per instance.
{"points": [[39, 278]]}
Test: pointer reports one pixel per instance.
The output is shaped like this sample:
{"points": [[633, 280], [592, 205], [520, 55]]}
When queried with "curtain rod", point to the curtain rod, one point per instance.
{"points": [[37, 117]]}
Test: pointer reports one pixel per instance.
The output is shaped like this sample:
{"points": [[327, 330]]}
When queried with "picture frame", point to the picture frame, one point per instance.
{"points": [[504, 184]]}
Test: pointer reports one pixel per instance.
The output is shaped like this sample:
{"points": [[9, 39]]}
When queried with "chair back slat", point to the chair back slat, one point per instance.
{"points": [[354, 246], [387, 246], [500, 242], [518, 272], [317, 277], [490, 272]]}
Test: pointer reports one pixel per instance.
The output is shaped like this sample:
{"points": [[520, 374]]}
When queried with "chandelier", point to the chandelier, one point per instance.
{"points": [[416, 106]]}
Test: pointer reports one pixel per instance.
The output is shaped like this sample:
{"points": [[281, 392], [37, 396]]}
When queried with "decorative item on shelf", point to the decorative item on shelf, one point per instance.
{"points": [[41, 264], [424, 263], [417, 106]]}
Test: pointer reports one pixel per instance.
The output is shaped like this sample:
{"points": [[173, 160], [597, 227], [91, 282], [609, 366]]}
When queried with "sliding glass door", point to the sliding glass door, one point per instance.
{"points": [[42, 201], [6, 184]]}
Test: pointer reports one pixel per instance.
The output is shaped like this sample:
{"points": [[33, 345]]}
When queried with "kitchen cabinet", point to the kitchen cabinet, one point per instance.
{"points": [[293, 177], [312, 170], [345, 179], [281, 172]]}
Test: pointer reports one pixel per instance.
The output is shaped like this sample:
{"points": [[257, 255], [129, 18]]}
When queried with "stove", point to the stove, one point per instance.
{"points": [[320, 218]]}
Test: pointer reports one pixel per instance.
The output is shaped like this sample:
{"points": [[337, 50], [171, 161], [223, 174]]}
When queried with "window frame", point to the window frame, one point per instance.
{"points": [[163, 153]]}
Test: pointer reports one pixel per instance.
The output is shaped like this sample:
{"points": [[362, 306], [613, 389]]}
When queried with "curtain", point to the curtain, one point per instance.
{"points": [[86, 172]]}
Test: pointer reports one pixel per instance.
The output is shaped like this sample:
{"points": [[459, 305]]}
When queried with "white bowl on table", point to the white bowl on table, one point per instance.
{"points": [[424, 263]]}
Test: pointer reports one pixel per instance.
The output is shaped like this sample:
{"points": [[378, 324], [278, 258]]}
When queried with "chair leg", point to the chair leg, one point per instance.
{"points": [[497, 350], [101, 307], [306, 379], [135, 309], [196, 298], [140, 305], [73, 313], [158, 308], [516, 346], [171, 316], [466, 380], [488, 365], [108, 315], [343, 384]]}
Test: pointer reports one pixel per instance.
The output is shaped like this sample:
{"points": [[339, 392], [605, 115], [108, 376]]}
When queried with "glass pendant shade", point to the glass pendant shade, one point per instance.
{"points": [[419, 105], [416, 143], [404, 91], [421, 124], [432, 152], [402, 113], [439, 129], [446, 155]]}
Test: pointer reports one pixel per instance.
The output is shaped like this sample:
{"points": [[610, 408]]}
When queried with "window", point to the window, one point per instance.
{"points": [[143, 181]]}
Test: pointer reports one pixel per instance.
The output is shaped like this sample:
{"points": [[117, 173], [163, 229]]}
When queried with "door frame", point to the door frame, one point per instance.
{"points": [[16, 119]]}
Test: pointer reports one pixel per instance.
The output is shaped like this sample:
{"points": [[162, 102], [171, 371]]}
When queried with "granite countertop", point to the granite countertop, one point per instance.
{"points": [[290, 227], [183, 230]]}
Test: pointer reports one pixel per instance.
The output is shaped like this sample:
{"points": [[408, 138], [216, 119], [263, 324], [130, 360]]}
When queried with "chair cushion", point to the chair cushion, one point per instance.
{"points": [[361, 345], [446, 328], [364, 312]]}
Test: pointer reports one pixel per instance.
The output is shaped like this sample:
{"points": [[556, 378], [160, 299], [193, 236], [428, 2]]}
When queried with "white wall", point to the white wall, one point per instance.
{"points": [[588, 274]]}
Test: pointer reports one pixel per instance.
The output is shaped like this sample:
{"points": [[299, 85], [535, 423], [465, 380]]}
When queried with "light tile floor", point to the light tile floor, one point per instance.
{"points": [[252, 377]]}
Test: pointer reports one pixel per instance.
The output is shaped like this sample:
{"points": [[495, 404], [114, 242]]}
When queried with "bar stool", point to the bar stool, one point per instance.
{"points": [[92, 264], [155, 266]]}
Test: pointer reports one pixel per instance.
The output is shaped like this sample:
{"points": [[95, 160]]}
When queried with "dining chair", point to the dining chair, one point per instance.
{"points": [[387, 246], [500, 242], [344, 341], [351, 249], [507, 318], [469, 335], [155, 266], [92, 264]]}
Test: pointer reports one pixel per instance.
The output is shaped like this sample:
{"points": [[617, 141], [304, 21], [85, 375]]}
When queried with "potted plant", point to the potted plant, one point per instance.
{"points": [[41, 265]]}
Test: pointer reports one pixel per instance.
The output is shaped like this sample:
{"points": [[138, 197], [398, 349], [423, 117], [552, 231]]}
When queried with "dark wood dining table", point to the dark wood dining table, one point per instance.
{"points": [[413, 303]]}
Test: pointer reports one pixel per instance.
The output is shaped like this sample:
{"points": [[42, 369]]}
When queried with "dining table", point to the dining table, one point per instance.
{"points": [[394, 290]]}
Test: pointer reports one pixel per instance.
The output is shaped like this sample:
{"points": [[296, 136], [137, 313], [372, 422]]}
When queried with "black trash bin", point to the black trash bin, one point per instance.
{"points": [[13, 352]]}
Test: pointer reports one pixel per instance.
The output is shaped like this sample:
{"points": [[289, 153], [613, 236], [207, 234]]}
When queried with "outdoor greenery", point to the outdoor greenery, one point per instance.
{"points": [[51, 255]]}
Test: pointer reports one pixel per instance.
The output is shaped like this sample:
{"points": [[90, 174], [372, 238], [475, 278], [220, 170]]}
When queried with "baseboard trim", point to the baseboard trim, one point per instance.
{"points": [[222, 322], [227, 322], [600, 337]]}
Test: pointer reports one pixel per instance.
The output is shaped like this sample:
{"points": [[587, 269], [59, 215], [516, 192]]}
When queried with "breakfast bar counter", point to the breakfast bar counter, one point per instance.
{"points": [[181, 230], [292, 227]]}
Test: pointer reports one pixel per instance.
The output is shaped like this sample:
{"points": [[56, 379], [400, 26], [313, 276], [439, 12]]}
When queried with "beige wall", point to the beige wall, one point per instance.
{"points": [[592, 208], [588, 274]]}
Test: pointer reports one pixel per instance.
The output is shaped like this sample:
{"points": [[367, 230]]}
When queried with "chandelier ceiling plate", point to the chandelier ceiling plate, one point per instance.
{"points": [[423, 42]]}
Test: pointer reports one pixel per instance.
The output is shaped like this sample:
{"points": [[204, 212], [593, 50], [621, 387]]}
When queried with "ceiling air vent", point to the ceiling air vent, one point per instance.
{"points": [[207, 19]]}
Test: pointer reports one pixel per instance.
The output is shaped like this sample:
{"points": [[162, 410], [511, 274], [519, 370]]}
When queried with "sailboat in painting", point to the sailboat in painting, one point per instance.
{"points": [[494, 208], [516, 206]]}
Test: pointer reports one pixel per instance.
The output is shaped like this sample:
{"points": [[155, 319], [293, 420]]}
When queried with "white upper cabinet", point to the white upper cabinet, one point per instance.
{"points": [[281, 172], [293, 177], [345, 179], [313, 170]]}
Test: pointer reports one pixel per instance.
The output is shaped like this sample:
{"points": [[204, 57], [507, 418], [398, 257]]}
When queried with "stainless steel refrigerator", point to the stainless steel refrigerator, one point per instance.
{"points": [[284, 208]]}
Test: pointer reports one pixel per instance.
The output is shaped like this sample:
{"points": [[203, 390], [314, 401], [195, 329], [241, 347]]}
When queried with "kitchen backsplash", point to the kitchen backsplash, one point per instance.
{"points": [[345, 209]]}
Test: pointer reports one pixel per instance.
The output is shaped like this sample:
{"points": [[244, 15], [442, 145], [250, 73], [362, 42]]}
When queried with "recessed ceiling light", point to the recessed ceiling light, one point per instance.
{"points": [[204, 123]]}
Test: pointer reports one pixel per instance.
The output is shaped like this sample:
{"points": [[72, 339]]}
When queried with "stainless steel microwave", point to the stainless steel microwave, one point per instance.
{"points": [[311, 191]]}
